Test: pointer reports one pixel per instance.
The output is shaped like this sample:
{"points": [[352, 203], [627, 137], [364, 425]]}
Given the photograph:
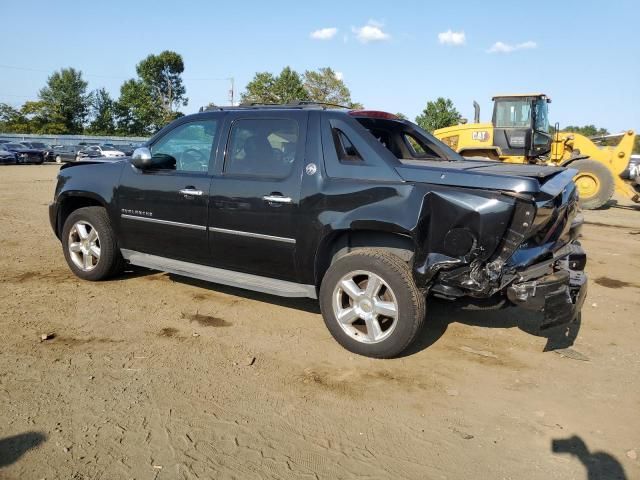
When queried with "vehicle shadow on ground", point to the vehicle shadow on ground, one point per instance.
{"points": [[12, 448], [599, 465], [615, 204], [441, 313], [305, 304]]}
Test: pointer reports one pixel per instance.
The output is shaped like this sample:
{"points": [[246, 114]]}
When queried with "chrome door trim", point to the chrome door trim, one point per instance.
{"points": [[252, 235], [163, 222]]}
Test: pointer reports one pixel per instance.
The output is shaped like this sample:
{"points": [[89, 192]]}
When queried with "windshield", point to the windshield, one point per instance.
{"points": [[510, 113], [14, 145], [542, 116]]}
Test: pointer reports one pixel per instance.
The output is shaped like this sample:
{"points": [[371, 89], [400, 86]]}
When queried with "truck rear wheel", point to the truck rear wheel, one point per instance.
{"points": [[595, 183], [371, 304], [89, 244]]}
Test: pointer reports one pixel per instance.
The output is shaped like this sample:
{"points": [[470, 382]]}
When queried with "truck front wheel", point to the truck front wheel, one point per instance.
{"points": [[89, 244], [371, 304]]}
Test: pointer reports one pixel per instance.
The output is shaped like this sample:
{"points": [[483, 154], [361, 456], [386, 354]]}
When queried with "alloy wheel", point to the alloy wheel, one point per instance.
{"points": [[84, 245], [365, 306]]}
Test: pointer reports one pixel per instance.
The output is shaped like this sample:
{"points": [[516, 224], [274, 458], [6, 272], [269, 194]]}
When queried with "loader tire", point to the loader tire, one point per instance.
{"points": [[595, 183]]}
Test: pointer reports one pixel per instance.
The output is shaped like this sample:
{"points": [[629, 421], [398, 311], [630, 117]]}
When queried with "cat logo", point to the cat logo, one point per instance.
{"points": [[481, 136]]}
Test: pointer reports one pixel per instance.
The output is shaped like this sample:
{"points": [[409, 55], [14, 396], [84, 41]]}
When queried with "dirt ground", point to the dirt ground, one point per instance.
{"points": [[153, 376]]}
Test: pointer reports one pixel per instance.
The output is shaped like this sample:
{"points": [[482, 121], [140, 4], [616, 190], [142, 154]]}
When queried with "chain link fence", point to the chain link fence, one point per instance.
{"points": [[71, 139]]}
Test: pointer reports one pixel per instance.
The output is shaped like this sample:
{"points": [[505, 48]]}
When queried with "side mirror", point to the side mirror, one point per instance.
{"points": [[141, 158]]}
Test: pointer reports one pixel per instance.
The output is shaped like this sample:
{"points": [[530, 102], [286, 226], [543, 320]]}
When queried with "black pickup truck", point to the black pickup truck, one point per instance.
{"points": [[360, 209]]}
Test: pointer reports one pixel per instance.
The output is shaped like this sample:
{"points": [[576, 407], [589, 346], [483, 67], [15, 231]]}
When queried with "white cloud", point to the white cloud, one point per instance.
{"points": [[501, 47], [324, 33], [339, 75], [371, 32], [452, 38]]}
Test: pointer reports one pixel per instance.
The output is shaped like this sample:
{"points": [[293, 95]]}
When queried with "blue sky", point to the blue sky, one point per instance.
{"points": [[394, 56]]}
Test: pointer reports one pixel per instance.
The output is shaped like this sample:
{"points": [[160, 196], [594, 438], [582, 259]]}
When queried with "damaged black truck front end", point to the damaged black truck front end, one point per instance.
{"points": [[519, 243]]}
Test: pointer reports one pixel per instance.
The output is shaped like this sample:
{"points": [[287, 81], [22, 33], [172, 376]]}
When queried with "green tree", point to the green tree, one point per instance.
{"points": [[163, 75], [401, 115], [266, 88], [65, 101], [438, 114], [137, 111], [103, 113], [324, 86], [13, 120], [288, 86], [260, 89], [587, 130], [38, 119]]}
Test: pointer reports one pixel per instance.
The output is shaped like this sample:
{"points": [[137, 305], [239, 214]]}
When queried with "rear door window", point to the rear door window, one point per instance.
{"points": [[264, 147]]}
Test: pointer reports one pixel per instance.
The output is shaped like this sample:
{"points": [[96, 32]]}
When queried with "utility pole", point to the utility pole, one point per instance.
{"points": [[231, 91]]}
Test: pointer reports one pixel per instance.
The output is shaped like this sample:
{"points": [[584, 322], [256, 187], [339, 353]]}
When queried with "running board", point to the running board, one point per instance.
{"points": [[247, 281]]}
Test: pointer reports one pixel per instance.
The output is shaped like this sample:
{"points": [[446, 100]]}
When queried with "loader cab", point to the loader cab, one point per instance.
{"points": [[521, 125]]}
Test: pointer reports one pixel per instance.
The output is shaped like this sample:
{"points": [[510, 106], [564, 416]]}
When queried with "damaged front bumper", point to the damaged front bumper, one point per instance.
{"points": [[559, 296]]}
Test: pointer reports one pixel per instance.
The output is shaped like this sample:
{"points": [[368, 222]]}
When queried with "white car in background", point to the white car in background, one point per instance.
{"points": [[94, 151]]}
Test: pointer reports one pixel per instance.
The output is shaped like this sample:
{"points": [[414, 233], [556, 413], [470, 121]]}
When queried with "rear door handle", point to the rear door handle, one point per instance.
{"points": [[276, 199], [191, 192]]}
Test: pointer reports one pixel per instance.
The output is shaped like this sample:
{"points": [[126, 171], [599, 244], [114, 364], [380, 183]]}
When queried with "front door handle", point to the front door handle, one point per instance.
{"points": [[276, 199], [191, 192]]}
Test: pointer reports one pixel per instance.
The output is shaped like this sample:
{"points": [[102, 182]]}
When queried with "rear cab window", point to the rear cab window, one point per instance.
{"points": [[406, 141]]}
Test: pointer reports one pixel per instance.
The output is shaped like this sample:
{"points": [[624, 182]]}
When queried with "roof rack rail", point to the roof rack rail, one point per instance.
{"points": [[296, 104]]}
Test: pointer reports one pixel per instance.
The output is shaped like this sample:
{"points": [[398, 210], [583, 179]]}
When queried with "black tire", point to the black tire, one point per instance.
{"points": [[606, 187], [411, 302], [110, 262]]}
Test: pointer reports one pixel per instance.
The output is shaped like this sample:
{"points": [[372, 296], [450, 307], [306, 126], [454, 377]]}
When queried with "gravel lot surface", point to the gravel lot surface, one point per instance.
{"points": [[154, 376]]}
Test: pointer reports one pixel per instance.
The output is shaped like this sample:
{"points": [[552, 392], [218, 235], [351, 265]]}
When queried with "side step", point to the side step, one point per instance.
{"points": [[247, 281]]}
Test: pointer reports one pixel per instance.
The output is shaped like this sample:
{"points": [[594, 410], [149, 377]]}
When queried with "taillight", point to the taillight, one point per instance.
{"points": [[373, 114]]}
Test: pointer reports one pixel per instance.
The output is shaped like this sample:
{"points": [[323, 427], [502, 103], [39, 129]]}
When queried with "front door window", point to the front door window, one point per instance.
{"points": [[187, 148]]}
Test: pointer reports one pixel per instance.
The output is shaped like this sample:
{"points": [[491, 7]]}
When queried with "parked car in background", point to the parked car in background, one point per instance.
{"points": [[46, 149], [25, 154], [6, 156], [129, 148], [65, 153], [99, 151]]}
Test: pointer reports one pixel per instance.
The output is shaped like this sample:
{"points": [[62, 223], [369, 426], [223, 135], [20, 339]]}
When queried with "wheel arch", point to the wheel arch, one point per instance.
{"points": [[68, 202], [341, 242]]}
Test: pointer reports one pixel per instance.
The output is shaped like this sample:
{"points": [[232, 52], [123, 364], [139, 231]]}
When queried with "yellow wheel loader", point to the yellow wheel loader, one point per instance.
{"points": [[519, 133]]}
